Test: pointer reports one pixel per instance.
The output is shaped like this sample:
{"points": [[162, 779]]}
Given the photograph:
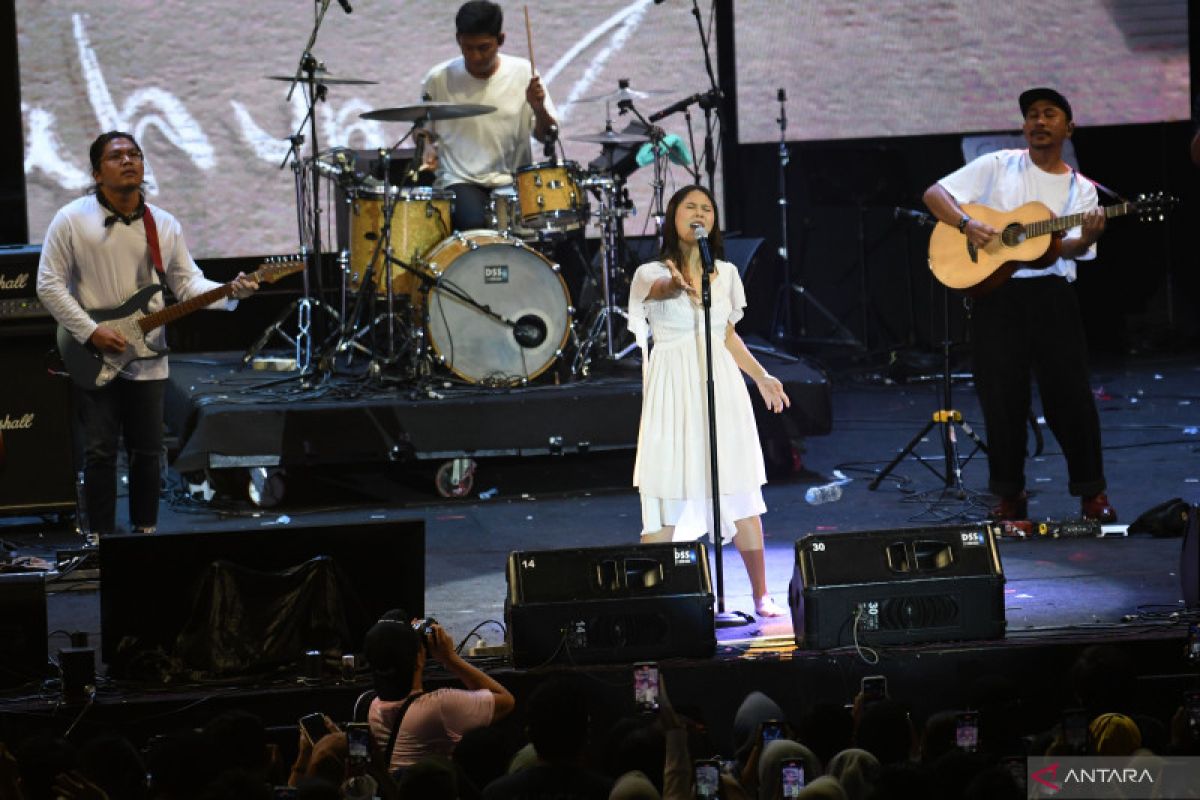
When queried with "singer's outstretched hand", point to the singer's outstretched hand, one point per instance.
{"points": [[680, 283]]}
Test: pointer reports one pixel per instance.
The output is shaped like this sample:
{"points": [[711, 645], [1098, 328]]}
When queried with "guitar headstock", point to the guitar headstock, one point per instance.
{"points": [[1155, 207], [278, 267]]}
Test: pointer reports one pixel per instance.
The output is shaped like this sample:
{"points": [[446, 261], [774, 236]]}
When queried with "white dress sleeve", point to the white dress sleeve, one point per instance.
{"points": [[737, 293], [639, 292]]}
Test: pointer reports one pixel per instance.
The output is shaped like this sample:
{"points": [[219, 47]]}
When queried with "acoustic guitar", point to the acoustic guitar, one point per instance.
{"points": [[1026, 241]]}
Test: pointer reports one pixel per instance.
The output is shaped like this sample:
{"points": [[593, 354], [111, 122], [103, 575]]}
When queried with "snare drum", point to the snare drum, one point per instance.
{"points": [[420, 219], [504, 213], [550, 198], [518, 285]]}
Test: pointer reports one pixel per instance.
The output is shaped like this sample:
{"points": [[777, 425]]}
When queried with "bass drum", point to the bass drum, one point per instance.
{"points": [[530, 309]]}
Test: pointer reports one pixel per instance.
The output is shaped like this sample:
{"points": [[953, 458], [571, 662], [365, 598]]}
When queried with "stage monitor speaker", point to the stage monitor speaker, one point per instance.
{"points": [[610, 604], [897, 587], [23, 648], [150, 583], [36, 462]]}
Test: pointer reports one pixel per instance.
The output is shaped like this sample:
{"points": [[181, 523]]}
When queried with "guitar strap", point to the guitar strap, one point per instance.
{"points": [[152, 242]]}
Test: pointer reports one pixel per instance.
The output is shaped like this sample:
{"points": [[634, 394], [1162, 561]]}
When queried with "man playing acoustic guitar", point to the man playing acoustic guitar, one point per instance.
{"points": [[99, 250], [1031, 324]]}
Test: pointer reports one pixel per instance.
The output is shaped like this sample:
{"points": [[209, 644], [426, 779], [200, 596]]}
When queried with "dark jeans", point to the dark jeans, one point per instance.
{"points": [[470, 206], [1032, 327], [133, 409]]}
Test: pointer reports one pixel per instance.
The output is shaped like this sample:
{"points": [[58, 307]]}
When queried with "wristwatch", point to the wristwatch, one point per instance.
{"points": [[962, 223]]}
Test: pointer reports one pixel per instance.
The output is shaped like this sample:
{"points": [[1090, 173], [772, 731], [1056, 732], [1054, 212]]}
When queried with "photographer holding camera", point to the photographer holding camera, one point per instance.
{"points": [[407, 723]]}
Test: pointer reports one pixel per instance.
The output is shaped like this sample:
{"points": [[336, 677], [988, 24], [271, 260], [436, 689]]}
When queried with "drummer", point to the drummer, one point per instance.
{"points": [[474, 155]]}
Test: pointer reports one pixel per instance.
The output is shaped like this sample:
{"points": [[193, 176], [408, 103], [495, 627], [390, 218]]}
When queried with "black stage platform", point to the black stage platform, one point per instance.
{"points": [[229, 418]]}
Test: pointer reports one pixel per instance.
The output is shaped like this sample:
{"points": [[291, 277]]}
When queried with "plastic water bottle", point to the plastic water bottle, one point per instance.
{"points": [[829, 493]]}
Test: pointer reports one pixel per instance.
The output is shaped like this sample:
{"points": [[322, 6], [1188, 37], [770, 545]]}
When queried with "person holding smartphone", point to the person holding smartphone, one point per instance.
{"points": [[407, 723], [782, 758]]}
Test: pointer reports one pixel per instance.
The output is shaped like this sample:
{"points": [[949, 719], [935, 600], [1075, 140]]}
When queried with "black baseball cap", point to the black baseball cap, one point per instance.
{"points": [[1031, 96]]}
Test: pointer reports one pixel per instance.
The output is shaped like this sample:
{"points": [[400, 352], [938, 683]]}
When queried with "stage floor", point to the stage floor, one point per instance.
{"points": [[1118, 588]]}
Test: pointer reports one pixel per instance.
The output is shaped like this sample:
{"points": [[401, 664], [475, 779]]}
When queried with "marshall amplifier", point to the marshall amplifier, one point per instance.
{"points": [[36, 455], [18, 283], [897, 587], [610, 604]]}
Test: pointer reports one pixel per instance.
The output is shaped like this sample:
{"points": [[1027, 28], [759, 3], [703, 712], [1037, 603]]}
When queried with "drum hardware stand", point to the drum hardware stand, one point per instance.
{"points": [[947, 417], [306, 71]]}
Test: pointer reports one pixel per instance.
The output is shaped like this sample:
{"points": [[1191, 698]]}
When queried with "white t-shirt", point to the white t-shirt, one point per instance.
{"points": [[1008, 179], [488, 148], [87, 265]]}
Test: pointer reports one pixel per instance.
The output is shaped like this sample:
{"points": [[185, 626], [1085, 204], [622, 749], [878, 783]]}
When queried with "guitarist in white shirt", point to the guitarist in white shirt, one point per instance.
{"points": [[96, 254], [1031, 325]]}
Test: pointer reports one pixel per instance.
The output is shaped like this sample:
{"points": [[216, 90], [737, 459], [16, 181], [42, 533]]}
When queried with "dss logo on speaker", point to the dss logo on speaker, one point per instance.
{"points": [[972, 538]]}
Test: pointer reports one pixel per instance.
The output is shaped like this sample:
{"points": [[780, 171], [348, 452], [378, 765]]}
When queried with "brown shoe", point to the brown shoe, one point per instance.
{"points": [[1010, 509], [1098, 509]]}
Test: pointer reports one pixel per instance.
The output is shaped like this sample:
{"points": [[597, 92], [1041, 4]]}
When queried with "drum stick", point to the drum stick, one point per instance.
{"points": [[529, 41]]}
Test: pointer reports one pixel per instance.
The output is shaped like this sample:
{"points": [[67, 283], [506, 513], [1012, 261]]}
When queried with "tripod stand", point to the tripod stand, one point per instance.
{"points": [[947, 417]]}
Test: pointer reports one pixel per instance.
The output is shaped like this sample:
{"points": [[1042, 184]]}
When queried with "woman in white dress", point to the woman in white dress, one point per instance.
{"points": [[672, 469]]}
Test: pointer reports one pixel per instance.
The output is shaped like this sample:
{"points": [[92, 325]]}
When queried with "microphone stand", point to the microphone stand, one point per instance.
{"points": [[708, 103], [722, 619]]}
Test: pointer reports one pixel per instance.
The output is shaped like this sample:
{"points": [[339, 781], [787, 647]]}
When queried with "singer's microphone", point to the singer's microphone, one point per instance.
{"points": [[345, 4], [702, 242]]}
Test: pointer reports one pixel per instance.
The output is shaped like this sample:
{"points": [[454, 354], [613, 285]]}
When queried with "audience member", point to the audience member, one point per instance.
{"points": [[886, 732], [857, 771], [114, 765], [827, 729], [1114, 735], [408, 724], [431, 778], [40, 759], [557, 723], [773, 756]]}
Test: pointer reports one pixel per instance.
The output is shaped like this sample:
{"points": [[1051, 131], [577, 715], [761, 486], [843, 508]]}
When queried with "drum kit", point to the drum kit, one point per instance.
{"points": [[489, 306]]}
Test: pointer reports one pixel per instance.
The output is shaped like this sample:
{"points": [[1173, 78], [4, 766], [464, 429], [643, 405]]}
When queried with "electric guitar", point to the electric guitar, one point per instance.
{"points": [[1024, 242], [91, 368]]}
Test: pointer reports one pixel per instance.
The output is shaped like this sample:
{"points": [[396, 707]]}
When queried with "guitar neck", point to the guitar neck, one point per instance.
{"points": [[1057, 224], [178, 310]]}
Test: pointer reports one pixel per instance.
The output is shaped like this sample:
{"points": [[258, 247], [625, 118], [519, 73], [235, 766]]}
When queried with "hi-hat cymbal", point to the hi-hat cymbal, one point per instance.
{"points": [[322, 77], [611, 138], [431, 110], [624, 93]]}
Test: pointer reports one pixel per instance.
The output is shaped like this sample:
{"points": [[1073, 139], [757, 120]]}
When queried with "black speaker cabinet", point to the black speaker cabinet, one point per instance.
{"points": [[36, 463], [23, 648], [149, 582], [610, 604], [897, 587]]}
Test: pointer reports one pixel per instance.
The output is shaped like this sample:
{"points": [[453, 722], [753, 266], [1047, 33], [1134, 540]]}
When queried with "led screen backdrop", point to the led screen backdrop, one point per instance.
{"points": [[189, 79]]}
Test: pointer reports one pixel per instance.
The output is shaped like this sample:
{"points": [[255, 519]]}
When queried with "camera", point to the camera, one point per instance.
{"points": [[424, 629]]}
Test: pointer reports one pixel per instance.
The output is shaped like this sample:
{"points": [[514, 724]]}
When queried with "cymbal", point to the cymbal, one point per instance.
{"points": [[431, 110], [624, 93], [322, 77], [611, 138]]}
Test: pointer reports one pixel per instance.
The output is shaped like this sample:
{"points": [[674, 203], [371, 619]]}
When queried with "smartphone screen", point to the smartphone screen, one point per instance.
{"points": [[708, 778], [284, 793], [313, 726], [791, 777], [874, 688], [358, 740], [645, 686], [967, 732], [772, 729], [1075, 729]]}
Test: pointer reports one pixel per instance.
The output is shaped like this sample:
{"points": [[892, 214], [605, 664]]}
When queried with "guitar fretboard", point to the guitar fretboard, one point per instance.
{"points": [[268, 273], [1071, 220]]}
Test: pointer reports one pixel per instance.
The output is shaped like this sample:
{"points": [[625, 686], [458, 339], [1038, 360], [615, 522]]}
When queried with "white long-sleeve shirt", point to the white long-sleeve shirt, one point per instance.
{"points": [[85, 265]]}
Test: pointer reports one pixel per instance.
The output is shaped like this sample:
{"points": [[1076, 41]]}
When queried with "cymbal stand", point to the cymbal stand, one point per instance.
{"points": [[354, 329]]}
